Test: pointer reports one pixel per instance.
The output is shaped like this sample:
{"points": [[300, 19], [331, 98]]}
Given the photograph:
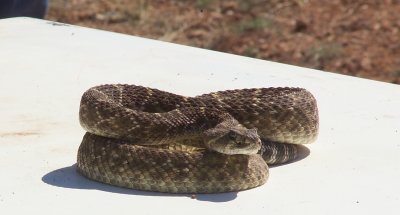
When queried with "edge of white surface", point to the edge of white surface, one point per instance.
{"points": [[285, 70]]}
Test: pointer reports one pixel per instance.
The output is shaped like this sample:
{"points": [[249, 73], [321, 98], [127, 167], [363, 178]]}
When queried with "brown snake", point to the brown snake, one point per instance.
{"points": [[147, 139]]}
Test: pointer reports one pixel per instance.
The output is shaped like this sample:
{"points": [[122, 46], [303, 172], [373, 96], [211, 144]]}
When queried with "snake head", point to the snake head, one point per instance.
{"points": [[232, 138]]}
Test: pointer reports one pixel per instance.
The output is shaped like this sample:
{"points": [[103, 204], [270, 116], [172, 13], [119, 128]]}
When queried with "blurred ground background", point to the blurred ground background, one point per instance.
{"points": [[359, 38]]}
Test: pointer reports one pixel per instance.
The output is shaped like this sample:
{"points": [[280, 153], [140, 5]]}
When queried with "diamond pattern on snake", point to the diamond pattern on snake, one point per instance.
{"points": [[152, 140]]}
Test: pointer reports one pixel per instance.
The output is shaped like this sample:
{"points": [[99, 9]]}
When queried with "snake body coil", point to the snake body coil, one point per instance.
{"points": [[147, 139]]}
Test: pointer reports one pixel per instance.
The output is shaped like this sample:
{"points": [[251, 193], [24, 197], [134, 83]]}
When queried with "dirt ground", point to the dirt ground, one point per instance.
{"points": [[359, 38]]}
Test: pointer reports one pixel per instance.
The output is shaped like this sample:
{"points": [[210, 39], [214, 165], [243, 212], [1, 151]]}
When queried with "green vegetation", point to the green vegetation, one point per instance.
{"points": [[396, 72], [325, 51], [251, 52], [256, 24], [202, 4]]}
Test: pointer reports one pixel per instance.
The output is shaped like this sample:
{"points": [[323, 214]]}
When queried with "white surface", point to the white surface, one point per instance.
{"points": [[353, 168]]}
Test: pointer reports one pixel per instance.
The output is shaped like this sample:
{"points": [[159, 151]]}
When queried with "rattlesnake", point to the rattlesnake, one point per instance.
{"points": [[148, 139]]}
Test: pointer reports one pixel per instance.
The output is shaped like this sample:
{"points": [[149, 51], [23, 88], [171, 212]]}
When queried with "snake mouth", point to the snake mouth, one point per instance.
{"points": [[243, 148], [248, 148]]}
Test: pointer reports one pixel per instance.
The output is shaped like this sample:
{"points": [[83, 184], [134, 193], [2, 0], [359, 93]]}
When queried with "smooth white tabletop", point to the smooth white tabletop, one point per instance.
{"points": [[353, 168]]}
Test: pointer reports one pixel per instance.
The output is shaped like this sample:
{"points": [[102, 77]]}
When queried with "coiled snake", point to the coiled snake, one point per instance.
{"points": [[152, 140]]}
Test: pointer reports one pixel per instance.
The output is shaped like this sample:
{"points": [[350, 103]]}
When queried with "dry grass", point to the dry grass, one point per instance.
{"points": [[359, 38]]}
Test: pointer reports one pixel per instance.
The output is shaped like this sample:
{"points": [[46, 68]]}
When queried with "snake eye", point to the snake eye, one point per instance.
{"points": [[232, 135]]}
